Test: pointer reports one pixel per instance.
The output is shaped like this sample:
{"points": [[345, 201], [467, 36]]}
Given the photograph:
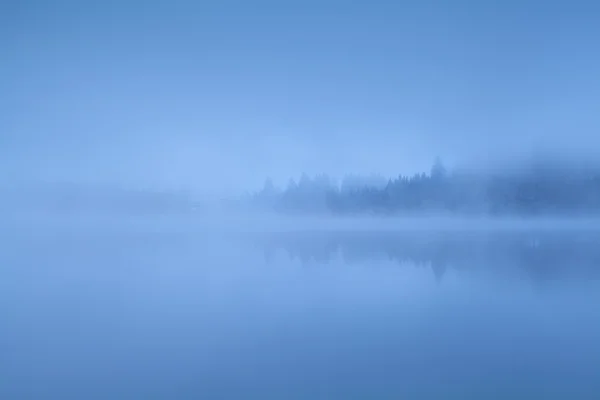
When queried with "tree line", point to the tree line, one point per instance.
{"points": [[538, 189]]}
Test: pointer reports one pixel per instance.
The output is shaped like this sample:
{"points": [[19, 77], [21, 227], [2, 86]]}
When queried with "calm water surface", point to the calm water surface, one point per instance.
{"points": [[115, 313]]}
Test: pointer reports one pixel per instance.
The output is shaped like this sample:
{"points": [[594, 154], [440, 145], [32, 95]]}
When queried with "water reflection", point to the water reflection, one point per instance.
{"points": [[163, 314], [541, 256]]}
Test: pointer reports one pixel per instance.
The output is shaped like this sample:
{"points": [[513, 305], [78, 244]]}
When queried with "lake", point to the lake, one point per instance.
{"points": [[163, 311]]}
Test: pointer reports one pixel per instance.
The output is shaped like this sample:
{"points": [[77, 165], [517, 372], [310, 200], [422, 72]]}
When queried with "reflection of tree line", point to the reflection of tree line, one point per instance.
{"points": [[541, 255]]}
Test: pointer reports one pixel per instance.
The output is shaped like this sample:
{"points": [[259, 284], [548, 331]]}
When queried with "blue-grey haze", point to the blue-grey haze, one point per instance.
{"points": [[214, 96], [120, 120]]}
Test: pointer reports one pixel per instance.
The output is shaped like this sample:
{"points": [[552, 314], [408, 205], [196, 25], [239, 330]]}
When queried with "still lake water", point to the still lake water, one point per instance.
{"points": [[117, 313]]}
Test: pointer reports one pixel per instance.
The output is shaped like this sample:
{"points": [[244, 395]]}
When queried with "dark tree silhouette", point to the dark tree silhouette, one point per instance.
{"points": [[543, 189]]}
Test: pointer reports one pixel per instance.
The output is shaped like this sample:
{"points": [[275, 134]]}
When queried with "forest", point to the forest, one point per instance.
{"points": [[541, 188]]}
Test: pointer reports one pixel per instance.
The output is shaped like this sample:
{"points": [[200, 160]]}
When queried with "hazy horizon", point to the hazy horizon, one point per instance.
{"points": [[144, 254]]}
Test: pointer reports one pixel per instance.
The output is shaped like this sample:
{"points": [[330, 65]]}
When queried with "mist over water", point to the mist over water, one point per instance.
{"points": [[247, 200], [176, 309]]}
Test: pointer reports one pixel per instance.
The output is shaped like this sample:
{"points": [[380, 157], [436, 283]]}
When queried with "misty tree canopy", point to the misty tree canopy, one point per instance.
{"points": [[539, 189]]}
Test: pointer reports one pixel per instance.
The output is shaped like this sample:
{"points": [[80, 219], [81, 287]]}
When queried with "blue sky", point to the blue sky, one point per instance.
{"points": [[218, 95]]}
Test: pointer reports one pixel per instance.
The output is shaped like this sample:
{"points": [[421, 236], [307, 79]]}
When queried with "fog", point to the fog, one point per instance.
{"points": [[306, 200], [216, 97]]}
